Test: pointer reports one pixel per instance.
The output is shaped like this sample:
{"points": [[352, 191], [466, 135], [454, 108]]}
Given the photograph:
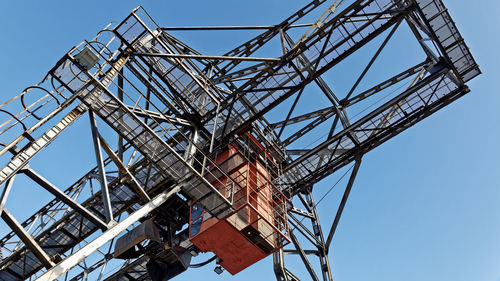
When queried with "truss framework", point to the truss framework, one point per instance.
{"points": [[173, 109]]}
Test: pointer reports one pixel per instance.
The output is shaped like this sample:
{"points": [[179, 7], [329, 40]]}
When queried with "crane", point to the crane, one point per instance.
{"points": [[208, 153]]}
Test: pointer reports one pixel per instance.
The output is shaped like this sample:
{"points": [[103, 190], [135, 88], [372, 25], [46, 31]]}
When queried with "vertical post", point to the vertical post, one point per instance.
{"points": [[191, 147], [120, 97], [108, 212], [279, 266], [318, 232], [282, 273]]}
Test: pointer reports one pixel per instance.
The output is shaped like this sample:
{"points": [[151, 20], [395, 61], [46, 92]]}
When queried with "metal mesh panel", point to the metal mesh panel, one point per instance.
{"points": [[449, 38]]}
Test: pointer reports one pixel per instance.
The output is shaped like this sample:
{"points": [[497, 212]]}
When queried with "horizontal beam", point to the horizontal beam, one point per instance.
{"points": [[295, 252], [248, 27], [184, 56], [324, 152]]}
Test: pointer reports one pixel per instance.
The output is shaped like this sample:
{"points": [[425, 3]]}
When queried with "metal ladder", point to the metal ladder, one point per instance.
{"points": [[22, 158]]}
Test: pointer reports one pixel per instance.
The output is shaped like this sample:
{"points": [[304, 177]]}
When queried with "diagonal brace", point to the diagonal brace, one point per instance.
{"points": [[80, 255], [343, 202], [303, 256], [64, 197], [124, 170], [26, 238]]}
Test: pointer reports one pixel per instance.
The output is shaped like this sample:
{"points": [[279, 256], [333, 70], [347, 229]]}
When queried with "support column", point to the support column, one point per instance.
{"points": [[108, 212]]}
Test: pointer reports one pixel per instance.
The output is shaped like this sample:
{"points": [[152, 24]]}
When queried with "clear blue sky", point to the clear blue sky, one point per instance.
{"points": [[425, 205]]}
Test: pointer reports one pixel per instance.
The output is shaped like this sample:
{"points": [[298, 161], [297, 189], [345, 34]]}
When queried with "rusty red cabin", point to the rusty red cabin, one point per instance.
{"points": [[257, 226]]}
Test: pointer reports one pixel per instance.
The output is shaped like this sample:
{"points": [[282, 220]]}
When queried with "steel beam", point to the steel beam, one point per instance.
{"points": [[5, 192], [385, 84], [80, 255], [120, 97], [280, 270], [292, 108], [304, 258], [373, 59], [248, 27], [295, 252], [108, 211], [343, 202], [64, 197], [303, 117], [183, 56], [300, 227], [136, 187], [26, 238]]}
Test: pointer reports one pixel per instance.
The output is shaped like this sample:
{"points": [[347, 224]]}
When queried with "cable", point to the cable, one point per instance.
{"points": [[331, 188], [197, 265], [327, 192], [379, 100]]}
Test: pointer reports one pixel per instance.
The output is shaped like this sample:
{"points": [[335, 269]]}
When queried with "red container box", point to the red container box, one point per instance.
{"points": [[257, 226]]}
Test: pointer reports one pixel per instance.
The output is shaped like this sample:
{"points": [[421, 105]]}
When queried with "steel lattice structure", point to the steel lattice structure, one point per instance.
{"points": [[174, 110]]}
